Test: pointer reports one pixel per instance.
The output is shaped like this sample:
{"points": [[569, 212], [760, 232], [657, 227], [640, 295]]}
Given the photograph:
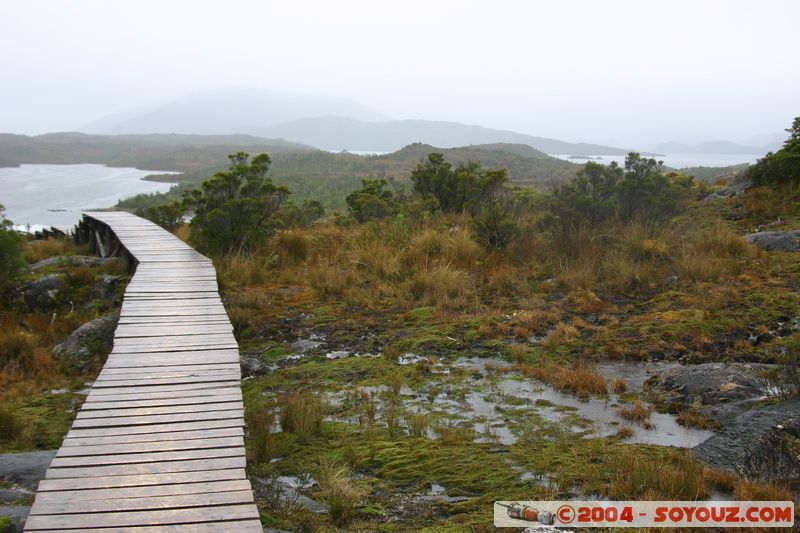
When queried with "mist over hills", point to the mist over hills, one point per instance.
{"points": [[322, 122], [338, 133], [716, 147], [228, 112]]}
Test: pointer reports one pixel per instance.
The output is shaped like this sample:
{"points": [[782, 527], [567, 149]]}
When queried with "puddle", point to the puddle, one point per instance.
{"points": [[438, 492], [550, 404], [301, 346]]}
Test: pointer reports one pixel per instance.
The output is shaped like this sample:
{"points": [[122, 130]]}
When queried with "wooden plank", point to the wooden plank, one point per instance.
{"points": [[143, 504], [237, 526], [118, 381], [225, 396], [145, 457], [140, 480], [171, 409], [132, 519], [155, 419], [143, 447], [201, 465], [155, 428], [142, 492], [167, 436]]}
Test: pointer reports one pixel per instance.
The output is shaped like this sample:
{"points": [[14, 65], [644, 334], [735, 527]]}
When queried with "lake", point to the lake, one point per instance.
{"points": [[55, 195], [676, 160]]}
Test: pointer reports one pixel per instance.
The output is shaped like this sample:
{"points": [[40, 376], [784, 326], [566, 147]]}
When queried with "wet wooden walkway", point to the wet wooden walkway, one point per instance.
{"points": [[158, 445]]}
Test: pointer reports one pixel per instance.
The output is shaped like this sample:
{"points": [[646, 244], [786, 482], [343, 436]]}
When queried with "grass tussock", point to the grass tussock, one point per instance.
{"points": [[691, 419], [638, 477], [292, 246], [301, 414], [261, 442], [636, 412], [339, 492], [618, 386], [579, 378], [441, 286]]}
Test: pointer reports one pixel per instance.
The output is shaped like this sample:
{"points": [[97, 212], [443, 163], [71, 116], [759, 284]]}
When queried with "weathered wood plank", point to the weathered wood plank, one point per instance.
{"points": [[145, 457], [140, 480], [143, 447], [143, 504], [155, 428], [201, 465], [171, 409], [132, 519], [167, 436], [237, 526]]}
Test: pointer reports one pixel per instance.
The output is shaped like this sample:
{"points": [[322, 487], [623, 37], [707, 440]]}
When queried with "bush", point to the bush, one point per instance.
{"points": [[464, 188], [495, 228], [371, 202], [782, 166], [168, 216], [16, 350], [234, 209]]}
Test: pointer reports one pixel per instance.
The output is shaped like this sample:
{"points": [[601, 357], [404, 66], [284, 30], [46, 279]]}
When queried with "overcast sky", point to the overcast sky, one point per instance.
{"points": [[615, 72]]}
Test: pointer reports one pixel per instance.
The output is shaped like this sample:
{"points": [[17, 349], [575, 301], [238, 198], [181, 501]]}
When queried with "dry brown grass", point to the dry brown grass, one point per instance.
{"points": [[635, 476], [518, 352], [376, 258], [692, 419], [339, 491], [562, 333], [580, 378], [636, 412], [625, 432], [417, 424], [292, 246], [259, 418], [42, 249], [618, 386], [441, 286]]}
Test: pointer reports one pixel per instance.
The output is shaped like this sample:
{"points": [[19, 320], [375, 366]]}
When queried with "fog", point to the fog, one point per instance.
{"points": [[625, 73]]}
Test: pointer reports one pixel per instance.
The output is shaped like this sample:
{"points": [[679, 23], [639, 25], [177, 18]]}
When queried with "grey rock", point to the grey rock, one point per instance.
{"points": [[18, 515], [289, 489], [14, 495], [25, 469], [252, 366], [782, 241], [736, 183], [42, 294], [761, 443], [726, 413], [711, 383], [89, 342], [106, 288], [74, 260]]}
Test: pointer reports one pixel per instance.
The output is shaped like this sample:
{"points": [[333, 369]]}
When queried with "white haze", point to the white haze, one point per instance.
{"points": [[626, 73]]}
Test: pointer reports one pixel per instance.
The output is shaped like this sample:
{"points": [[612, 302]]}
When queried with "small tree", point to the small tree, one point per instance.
{"points": [[371, 201], [467, 187], [494, 225], [233, 210], [168, 216]]}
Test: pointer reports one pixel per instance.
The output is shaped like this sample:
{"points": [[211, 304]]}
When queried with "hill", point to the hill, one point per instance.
{"points": [[147, 152], [228, 112], [339, 133]]}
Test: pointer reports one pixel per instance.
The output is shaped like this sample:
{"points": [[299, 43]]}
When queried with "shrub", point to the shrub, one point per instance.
{"points": [[372, 201], [234, 209], [495, 227], [782, 166]]}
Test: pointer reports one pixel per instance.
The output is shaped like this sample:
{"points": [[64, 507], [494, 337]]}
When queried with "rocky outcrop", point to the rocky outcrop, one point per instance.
{"points": [[90, 341], [43, 294], [762, 443], [720, 391], [736, 182], [781, 241]]}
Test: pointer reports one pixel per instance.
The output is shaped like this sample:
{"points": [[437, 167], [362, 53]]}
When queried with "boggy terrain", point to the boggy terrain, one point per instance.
{"points": [[401, 376]]}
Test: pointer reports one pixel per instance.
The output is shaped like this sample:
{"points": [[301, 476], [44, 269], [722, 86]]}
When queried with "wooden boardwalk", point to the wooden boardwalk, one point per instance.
{"points": [[158, 445]]}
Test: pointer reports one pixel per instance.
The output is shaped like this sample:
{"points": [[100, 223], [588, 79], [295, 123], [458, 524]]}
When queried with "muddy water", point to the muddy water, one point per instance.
{"points": [[485, 405]]}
